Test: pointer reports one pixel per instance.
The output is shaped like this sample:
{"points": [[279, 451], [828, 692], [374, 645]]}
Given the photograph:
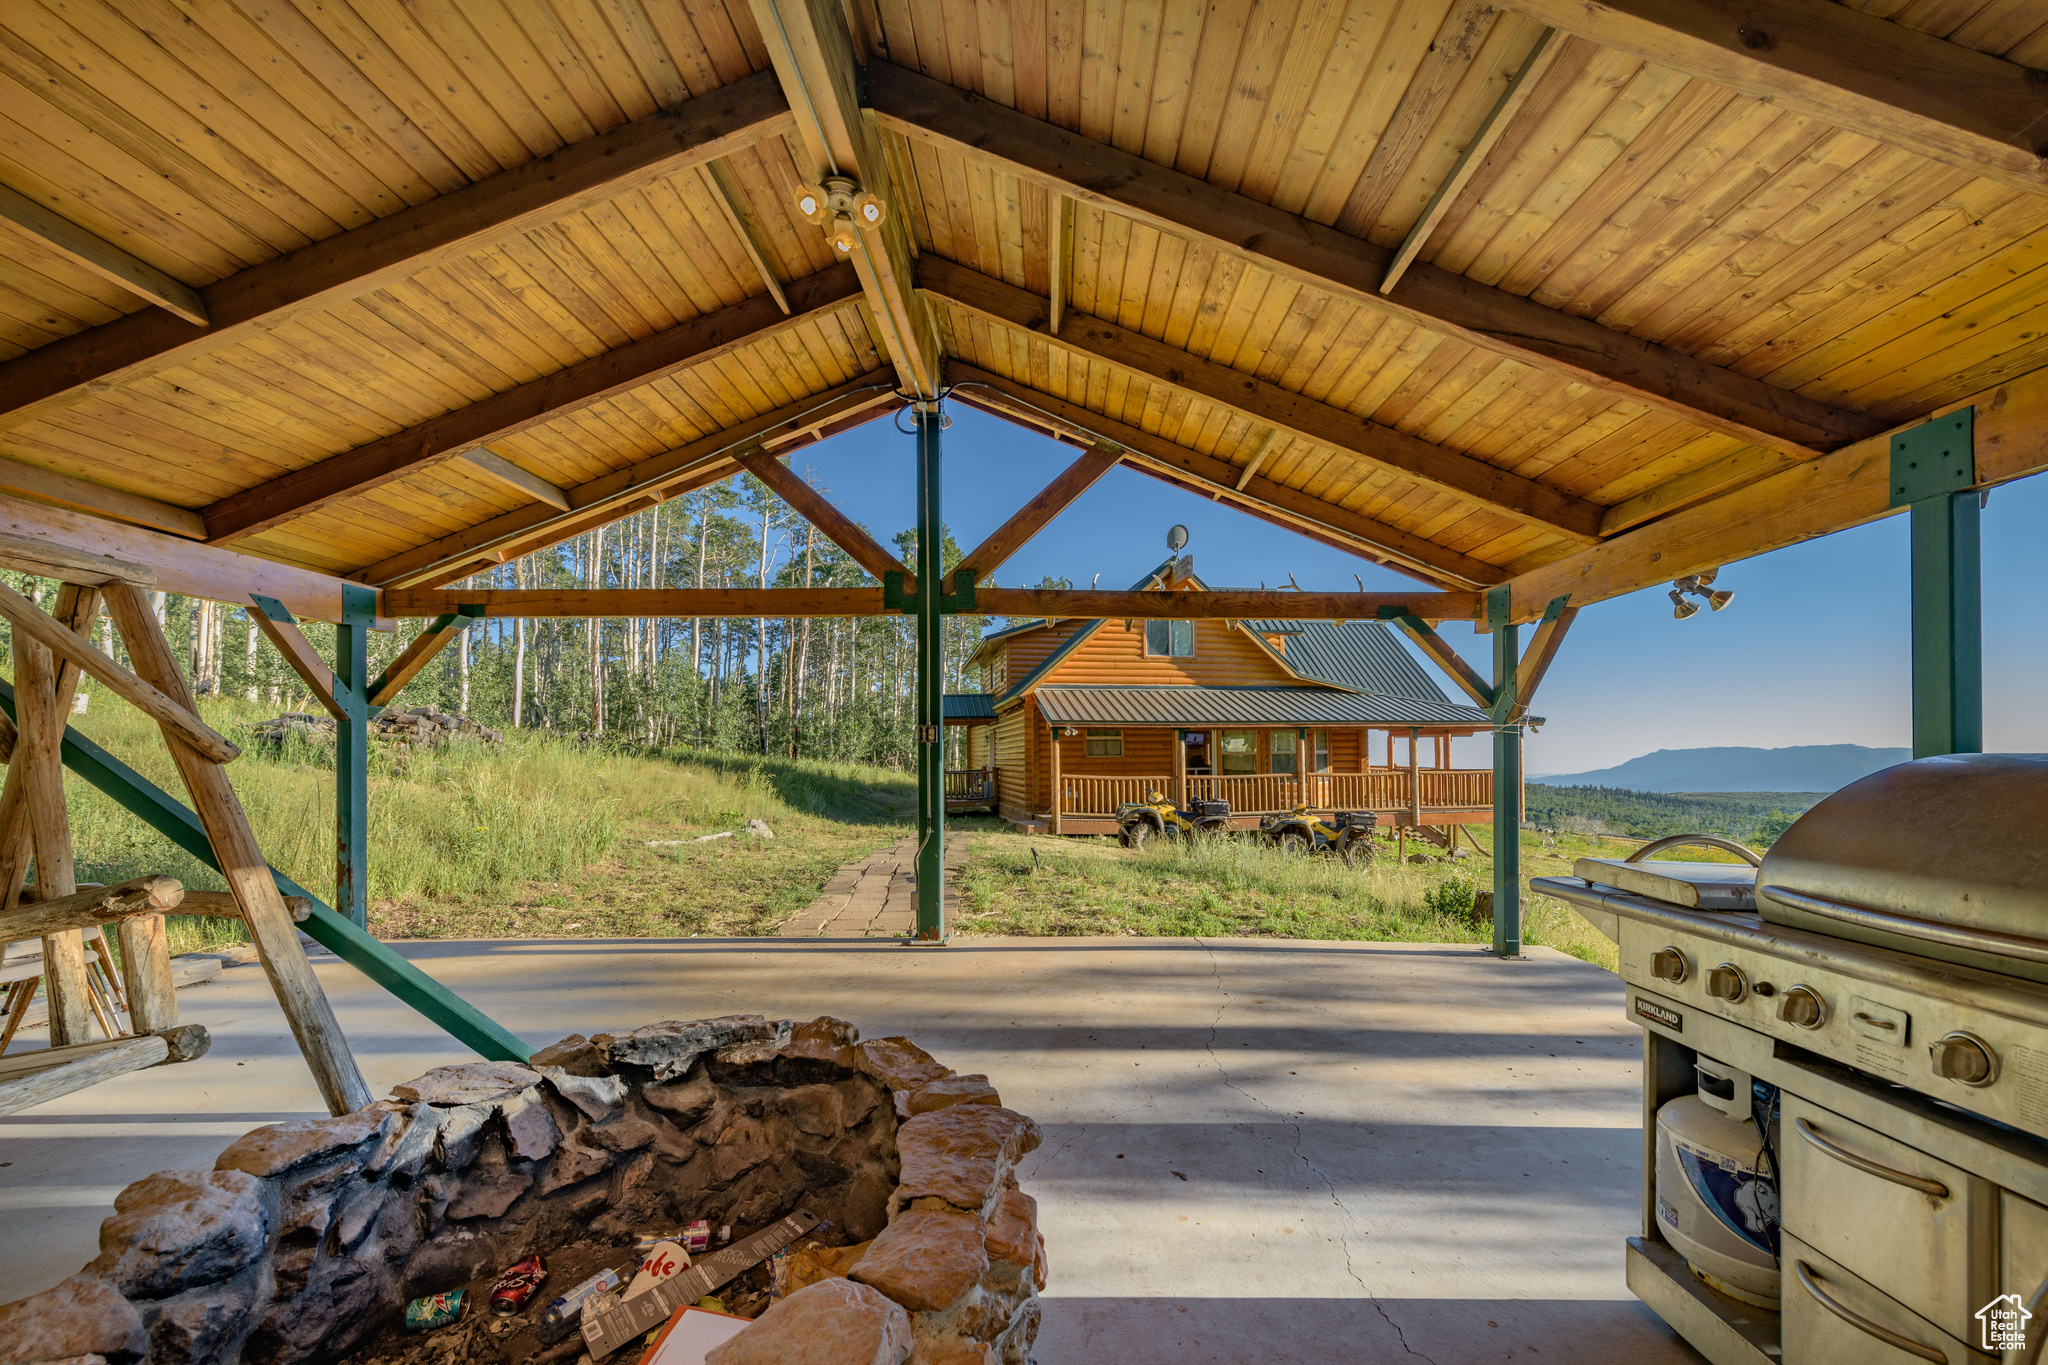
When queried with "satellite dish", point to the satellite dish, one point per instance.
{"points": [[1176, 537]]}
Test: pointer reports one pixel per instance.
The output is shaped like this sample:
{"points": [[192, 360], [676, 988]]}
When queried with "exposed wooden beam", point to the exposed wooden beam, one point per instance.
{"points": [[515, 410], [58, 233], [1520, 87], [731, 198], [1375, 540], [365, 258], [1813, 498], [1714, 477], [1251, 466], [1059, 259], [180, 566], [651, 477], [62, 490], [1035, 515], [502, 471], [814, 56], [1258, 400], [813, 506], [1439, 652], [32, 622], [66, 565], [1909, 89], [1083, 604], [1429, 91], [1540, 652], [289, 641], [151, 895], [417, 655], [1507, 324]]}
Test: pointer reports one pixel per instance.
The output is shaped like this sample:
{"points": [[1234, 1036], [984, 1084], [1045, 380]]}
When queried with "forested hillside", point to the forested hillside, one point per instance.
{"points": [[831, 689], [1754, 818]]}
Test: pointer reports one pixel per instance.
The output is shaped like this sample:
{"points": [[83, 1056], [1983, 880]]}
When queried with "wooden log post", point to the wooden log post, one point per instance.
{"points": [[1180, 768], [139, 896], [42, 778], [299, 994], [1056, 802]]}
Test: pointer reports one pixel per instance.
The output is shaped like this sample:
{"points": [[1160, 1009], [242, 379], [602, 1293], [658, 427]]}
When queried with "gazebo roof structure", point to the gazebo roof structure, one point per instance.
{"points": [[1568, 298]]}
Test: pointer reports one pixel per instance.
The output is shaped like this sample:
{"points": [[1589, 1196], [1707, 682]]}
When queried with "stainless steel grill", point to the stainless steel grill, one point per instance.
{"points": [[1884, 974]]}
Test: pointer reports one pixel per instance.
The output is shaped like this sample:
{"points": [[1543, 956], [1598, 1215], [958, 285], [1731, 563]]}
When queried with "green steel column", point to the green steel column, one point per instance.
{"points": [[1507, 780], [931, 685], [352, 755], [1932, 468]]}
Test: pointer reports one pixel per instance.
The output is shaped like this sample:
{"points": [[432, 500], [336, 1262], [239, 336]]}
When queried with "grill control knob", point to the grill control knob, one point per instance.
{"points": [[1965, 1058], [1669, 964], [1802, 1007], [1727, 982]]}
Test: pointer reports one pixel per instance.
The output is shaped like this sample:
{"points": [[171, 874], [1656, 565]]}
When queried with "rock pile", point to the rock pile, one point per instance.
{"points": [[419, 727], [307, 1238]]}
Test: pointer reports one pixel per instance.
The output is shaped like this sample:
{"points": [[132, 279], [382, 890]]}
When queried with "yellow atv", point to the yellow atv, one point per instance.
{"points": [[1138, 821], [1348, 834]]}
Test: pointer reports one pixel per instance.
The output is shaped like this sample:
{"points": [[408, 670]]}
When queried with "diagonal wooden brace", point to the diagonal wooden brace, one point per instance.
{"points": [[421, 652], [839, 528], [278, 627]]}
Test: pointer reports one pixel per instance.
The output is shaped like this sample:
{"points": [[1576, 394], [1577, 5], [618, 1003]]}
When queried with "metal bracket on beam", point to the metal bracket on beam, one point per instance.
{"points": [[1933, 469], [957, 602], [1935, 458]]}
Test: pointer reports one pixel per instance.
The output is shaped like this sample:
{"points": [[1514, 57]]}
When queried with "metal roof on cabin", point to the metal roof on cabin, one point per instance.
{"points": [[970, 706], [1358, 654], [1218, 706]]}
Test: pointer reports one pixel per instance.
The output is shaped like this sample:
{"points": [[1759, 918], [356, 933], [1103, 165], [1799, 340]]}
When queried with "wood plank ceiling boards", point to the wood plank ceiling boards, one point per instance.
{"points": [[1561, 295]]}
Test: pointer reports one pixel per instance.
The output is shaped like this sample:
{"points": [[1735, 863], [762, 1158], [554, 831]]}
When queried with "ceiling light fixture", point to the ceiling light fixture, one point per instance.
{"points": [[1697, 585]]}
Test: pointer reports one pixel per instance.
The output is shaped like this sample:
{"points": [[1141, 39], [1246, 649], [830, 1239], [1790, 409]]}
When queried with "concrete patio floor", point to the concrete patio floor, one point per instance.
{"points": [[1254, 1149]]}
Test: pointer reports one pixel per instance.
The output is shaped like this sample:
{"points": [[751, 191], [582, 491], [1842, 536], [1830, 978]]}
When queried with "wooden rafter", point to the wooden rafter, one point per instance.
{"points": [[610, 496], [1375, 540], [1082, 604], [731, 198], [1493, 319], [1035, 515], [1857, 71], [813, 52], [506, 414], [369, 257], [507, 475], [62, 490], [1813, 498], [1258, 400], [815, 508], [101, 257]]}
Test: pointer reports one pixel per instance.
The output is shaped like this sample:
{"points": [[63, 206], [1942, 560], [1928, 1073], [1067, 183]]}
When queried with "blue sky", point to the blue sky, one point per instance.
{"points": [[1813, 650]]}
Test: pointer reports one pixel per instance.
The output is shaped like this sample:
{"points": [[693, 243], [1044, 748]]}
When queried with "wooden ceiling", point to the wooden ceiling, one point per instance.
{"points": [[1471, 296]]}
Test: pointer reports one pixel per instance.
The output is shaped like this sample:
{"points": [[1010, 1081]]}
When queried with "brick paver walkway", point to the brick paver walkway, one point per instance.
{"points": [[875, 897]]}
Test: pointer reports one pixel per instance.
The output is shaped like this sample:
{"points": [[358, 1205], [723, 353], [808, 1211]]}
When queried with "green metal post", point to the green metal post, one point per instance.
{"points": [[156, 808], [931, 685], [352, 754], [1932, 468], [1507, 779]]}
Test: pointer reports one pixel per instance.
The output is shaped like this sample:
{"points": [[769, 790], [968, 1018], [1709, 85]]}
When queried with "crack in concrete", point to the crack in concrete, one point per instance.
{"points": [[1329, 1185]]}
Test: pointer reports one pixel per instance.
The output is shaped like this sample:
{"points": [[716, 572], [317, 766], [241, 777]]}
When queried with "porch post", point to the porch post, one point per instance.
{"points": [[1507, 780], [1932, 468], [931, 685], [1054, 732], [1180, 768], [1415, 776], [352, 754]]}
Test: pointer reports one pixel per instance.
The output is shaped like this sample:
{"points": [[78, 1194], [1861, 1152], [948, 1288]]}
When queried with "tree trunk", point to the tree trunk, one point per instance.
{"points": [[593, 576], [249, 657], [519, 653]]}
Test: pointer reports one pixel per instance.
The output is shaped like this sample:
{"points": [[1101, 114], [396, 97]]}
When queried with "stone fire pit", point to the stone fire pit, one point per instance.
{"points": [[303, 1244]]}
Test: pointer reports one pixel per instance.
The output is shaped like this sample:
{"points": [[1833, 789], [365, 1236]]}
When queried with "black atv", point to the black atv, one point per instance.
{"points": [[1138, 821], [1348, 834]]}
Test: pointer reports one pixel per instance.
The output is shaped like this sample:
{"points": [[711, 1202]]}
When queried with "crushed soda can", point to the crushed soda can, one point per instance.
{"points": [[435, 1310], [572, 1303], [517, 1285], [696, 1238]]}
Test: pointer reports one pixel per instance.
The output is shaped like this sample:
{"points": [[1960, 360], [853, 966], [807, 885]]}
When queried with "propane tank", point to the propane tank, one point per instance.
{"points": [[1712, 1206]]}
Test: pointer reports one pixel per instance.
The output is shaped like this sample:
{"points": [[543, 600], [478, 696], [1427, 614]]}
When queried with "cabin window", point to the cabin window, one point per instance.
{"points": [[1240, 751], [1170, 639], [1105, 744], [1322, 738], [1285, 743]]}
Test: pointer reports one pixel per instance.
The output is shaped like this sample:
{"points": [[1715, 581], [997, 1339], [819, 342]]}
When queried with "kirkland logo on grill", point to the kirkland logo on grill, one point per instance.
{"points": [[1669, 1018]]}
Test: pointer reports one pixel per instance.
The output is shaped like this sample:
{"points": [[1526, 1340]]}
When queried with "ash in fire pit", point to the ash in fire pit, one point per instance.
{"points": [[304, 1244]]}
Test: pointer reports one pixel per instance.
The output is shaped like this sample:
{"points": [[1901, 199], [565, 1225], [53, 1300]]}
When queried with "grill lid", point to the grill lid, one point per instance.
{"points": [[1946, 857]]}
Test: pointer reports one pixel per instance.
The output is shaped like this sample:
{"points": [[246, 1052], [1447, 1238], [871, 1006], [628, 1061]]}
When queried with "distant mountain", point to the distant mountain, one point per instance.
{"points": [[1802, 768]]}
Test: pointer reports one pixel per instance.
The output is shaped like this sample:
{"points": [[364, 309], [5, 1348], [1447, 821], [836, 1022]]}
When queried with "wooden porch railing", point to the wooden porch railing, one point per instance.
{"points": [[1265, 793], [976, 785]]}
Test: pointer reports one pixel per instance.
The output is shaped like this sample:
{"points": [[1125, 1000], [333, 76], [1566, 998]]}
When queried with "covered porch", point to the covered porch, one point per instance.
{"points": [[1430, 796]]}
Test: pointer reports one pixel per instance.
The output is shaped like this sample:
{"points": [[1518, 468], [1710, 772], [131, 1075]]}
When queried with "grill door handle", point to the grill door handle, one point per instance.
{"points": [[1861, 1323], [1932, 1188]]}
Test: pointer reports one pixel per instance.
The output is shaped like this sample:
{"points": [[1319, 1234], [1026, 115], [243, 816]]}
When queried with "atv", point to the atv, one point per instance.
{"points": [[1138, 821], [1348, 834]]}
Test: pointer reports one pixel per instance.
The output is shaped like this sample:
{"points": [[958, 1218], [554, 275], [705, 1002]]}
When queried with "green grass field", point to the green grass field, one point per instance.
{"points": [[543, 837]]}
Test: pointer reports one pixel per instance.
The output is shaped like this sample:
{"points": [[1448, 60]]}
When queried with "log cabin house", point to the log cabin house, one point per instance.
{"points": [[1075, 718]]}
